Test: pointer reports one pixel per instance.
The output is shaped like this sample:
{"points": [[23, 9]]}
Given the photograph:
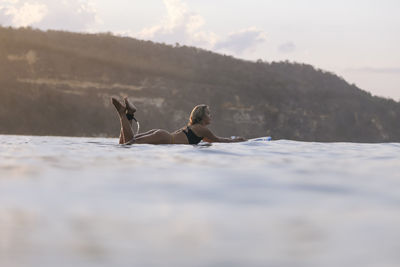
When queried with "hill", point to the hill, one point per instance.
{"points": [[60, 83]]}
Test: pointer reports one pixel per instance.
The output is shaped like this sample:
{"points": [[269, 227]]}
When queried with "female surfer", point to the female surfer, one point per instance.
{"points": [[193, 133]]}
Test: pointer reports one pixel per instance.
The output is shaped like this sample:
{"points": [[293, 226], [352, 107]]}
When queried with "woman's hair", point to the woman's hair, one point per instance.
{"points": [[197, 114]]}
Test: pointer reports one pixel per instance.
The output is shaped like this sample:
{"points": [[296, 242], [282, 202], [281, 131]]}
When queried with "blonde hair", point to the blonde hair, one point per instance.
{"points": [[197, 114]]}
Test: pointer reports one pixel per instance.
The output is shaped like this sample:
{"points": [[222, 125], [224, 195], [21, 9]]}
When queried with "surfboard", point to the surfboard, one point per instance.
{"points": [[262, 139]]}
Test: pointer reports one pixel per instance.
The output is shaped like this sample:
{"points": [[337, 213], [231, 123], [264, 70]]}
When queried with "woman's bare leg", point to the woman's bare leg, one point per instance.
{"points": [[146, 133], [121, 134], [127, 132], [127, 135], [131, 109], [121, 137], [156, 138]]}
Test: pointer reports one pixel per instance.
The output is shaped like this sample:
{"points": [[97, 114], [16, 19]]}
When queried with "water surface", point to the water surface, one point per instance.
{"points": [[91, 202]]}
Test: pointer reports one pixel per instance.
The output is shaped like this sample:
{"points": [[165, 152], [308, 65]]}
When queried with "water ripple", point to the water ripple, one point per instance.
{"points": [[91, 202]]}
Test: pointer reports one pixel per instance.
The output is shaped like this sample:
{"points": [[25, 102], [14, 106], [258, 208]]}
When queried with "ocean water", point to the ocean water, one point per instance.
{"points": [[91, 202]]}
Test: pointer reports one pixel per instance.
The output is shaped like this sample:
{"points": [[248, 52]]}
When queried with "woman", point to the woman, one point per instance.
{"points": [[195, 131]]}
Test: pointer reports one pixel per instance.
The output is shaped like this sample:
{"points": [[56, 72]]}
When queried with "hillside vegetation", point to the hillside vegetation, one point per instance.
{"points": [[60, 83]]}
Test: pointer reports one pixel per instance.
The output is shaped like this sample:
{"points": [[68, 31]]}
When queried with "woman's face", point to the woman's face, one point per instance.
{"points": [[207, 117]]}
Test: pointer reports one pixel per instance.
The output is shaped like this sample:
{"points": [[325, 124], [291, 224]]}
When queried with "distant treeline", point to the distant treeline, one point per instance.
{"points": [[59, 83]]}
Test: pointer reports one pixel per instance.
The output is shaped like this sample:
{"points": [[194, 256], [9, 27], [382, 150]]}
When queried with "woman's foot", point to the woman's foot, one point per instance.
{"points": [[130, 108], [118, 106]]}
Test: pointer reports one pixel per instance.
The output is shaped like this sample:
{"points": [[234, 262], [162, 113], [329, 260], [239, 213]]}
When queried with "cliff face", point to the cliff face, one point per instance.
{"points": [[59, 83]]}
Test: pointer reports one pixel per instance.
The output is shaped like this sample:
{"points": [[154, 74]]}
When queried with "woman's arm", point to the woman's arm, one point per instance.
{"points": [[212, 138]]}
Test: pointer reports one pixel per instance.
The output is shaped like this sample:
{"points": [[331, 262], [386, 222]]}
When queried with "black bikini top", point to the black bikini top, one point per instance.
{"points": [[192, 137]]}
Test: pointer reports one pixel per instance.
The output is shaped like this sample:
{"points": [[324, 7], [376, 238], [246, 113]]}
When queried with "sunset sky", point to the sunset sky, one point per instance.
{"points": [[356, 39]]}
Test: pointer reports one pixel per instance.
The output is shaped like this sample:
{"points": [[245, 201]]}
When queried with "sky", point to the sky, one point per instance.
{"points": [[358, 40]]}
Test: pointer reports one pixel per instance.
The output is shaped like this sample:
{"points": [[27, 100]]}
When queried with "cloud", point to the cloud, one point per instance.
{"points": [[287, 47], [24, 15], [180, 25], [73, 15], [242, 40], [183, 26]]}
